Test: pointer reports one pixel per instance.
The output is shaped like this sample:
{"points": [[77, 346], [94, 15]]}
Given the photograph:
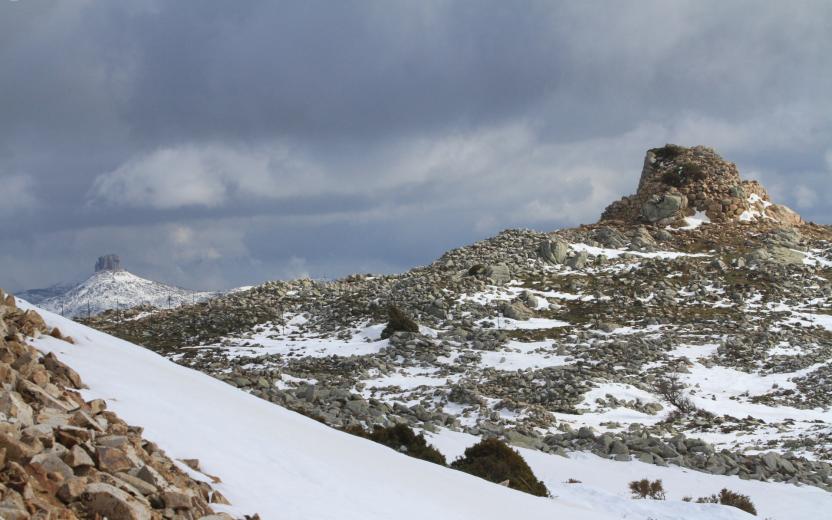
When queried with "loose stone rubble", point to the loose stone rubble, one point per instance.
{"points": [[64, 458], [559, 341]]}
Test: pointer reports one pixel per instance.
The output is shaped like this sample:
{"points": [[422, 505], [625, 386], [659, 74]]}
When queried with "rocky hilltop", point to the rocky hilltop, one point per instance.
{"points": [[691, 327], [112, 287], [63, 457], [108, 263], [678, 182]]}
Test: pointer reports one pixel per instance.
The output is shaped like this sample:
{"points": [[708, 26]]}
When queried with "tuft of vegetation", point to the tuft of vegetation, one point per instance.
{"points": [[692, 171], [672, 390], [726, 497], [685, 173], [403, 439], [398, 321], [492, 459], [669, 151], [476, 269], [646, 489], [673, 178]]}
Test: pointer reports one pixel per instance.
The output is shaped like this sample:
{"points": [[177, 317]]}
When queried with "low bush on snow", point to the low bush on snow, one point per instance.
{"points": [[398, 321], [726, 497], [403, 439], [494, 460], [645, 489]]}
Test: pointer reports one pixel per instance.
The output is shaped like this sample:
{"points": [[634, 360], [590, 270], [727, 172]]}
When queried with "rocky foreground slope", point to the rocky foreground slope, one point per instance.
{"points": [[63, 457], [691, 326], [284, 465]]}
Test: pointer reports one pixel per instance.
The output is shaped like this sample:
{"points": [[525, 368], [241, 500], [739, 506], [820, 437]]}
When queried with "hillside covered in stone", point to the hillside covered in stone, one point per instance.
{"points": [[691, 326]]}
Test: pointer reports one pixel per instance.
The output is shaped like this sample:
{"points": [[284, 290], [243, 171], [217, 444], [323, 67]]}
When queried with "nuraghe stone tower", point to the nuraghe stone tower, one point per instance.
{"points": [[678, 182]]}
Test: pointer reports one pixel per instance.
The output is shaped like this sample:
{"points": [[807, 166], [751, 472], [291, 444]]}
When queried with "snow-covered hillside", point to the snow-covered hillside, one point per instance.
{"points": [[284, 465], [106, 290]]}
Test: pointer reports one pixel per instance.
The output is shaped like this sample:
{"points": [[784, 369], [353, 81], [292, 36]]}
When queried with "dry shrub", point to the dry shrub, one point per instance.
{"points": [[726, 497], [645, 489]]}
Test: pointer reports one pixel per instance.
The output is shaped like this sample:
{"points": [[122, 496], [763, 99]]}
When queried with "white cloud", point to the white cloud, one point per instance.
{"points": [[18, 194], [207, 175]]}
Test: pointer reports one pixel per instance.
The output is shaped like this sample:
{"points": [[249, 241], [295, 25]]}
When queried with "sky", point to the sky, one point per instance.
{"points": [[214, 144]]}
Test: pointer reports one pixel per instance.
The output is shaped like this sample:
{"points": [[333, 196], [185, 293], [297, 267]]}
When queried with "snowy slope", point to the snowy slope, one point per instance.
{"points": [[118, 290], [604, 481], [284, 465]]}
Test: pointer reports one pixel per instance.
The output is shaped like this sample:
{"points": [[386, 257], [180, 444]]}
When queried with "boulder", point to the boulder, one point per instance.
{"points": [[516, 311], [110, 502], [112, 460], [219, 498], [12, 507], [14, 448], [72, 489], [78, 457], [775, 255], [784, 215], [553, 251], [13, 405], [608, 327], [610, 237], [498, 274], [642, 239], [578, 261], [50, 361], [52, 463], [176, 500], [663, 207], [522, 440]]}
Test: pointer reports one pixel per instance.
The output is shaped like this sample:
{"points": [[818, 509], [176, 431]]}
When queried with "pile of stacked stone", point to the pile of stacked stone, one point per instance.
{"points": [[62, 457], [677, 182]]}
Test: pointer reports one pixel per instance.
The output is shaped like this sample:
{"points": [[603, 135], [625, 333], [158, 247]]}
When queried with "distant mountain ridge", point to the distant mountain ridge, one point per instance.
{"points": [[35, 296], [110, 287], [106, 290]]}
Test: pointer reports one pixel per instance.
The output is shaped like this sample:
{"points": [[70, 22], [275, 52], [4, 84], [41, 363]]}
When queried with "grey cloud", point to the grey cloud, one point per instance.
{"points": [[286, 138]]}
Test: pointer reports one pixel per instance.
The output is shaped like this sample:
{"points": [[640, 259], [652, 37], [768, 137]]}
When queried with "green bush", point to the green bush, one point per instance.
{"points": [[645, 489], [493, 460], [398, 321], [403, 439], [727, 497]]}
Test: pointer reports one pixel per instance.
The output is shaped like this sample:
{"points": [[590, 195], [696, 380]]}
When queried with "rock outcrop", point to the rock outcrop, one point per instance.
{"points": [[62, 457], [108, 263], [678, 182]]}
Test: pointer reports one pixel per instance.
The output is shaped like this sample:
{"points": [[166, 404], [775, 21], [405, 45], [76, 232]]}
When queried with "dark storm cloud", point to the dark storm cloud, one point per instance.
{"points": [[219, 143]]}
